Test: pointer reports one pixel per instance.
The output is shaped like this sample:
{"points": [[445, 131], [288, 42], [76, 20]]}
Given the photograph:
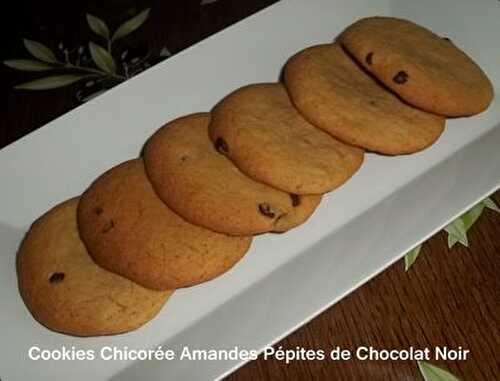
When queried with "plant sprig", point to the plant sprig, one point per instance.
{"points": [[457, 229], [106, 67]]}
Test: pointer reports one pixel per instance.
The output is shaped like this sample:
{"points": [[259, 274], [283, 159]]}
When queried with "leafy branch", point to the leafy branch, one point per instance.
{"points": [[457, 229], [102, 57]]}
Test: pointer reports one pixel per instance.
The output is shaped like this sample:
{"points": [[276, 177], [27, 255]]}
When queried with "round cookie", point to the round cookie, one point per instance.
{"points": [[424, 69], [258, 128], [128, 230], [67, 292], [206, 189], [336, 95]]}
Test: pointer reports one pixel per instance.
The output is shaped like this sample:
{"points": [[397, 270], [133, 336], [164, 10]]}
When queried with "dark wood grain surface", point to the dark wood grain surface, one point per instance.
{"points": [[448, 298]]}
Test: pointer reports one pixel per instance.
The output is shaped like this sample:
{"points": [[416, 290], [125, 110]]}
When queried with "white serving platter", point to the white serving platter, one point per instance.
{"points": [[390, 205]]}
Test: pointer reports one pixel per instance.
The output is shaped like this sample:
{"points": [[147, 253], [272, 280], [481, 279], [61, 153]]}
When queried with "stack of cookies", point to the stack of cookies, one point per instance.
{"points": [[186, 211]]}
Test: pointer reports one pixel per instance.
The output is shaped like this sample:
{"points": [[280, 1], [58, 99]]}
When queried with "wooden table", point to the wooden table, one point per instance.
{"points": [[448, 298]]}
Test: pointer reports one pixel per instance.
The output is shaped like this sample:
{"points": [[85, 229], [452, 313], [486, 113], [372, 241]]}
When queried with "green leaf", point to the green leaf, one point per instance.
{"points": [[102, 58], [411, 257], [98, 26], [52, 82], [452, 240], [490, 204], [29, 65], [458, 233], [130, 25], [40, 51], [433, 373], [471, 216], [457, 230]]}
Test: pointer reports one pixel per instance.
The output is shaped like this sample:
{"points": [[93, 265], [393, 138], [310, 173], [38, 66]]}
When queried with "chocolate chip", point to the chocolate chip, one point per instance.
{"points": [[267, 210], [446, 38], [221, 146], [295, 199], [184, 158], [369, 58], [110, 225], [56, 278], [98, 210], [401, 77]]}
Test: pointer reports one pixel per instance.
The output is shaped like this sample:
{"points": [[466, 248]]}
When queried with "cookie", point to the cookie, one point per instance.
{"points": [[304, 207], [128, 230], [205, 188], [426, 70], [258, 128], [67, 292], [335, 94]]}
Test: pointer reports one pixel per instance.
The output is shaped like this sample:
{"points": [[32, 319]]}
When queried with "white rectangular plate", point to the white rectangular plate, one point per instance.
{"points": [[391, 204]]}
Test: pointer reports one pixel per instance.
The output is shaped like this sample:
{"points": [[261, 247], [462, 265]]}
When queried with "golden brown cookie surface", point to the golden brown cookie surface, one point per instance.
{"points": [[205, 188], [129, 230], [258, 128], [336, 95], [67, 292], [424, 69], [304, 206]]}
